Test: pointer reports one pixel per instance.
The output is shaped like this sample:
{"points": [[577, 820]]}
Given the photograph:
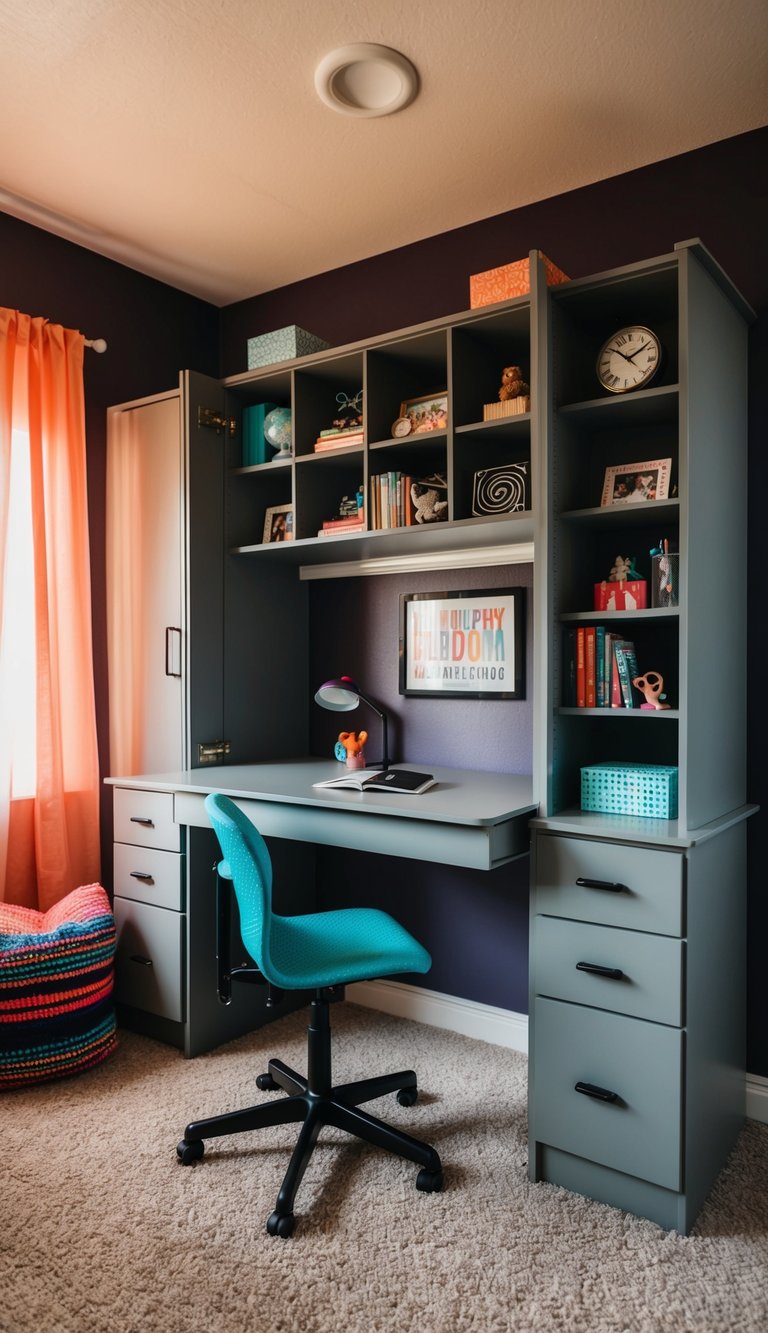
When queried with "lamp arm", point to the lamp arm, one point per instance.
{"points": [[380, 713]]}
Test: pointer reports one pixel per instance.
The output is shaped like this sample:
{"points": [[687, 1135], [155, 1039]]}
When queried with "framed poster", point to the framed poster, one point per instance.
{"points": [[468, 645]]}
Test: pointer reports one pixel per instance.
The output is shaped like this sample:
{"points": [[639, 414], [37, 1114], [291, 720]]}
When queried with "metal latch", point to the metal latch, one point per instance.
{"points": [[208, 416], [209, 751]]}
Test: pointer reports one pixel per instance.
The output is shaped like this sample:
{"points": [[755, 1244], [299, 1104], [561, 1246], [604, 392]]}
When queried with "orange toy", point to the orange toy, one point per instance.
{"points": [[353, 742]]}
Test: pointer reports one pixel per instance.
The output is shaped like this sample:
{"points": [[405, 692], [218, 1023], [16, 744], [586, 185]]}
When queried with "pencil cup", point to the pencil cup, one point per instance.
{"points": [[665, 579]]}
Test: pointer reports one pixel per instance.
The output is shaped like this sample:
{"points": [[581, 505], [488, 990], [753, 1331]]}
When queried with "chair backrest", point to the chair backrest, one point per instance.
{"points": [[250, 866]]}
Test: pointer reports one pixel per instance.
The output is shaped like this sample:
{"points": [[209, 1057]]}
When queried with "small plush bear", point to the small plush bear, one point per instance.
{"points": [[512, 384]]}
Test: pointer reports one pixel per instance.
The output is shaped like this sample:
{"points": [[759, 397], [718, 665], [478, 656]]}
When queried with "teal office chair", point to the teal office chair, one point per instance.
{"points": [[319, 952]]}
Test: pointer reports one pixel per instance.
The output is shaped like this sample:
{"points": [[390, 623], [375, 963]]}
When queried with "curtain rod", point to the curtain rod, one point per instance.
{"points": [[98, 344]]}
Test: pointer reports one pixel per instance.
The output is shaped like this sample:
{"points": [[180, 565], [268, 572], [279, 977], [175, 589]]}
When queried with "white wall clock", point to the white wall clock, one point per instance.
{"points": [[629, 359]]}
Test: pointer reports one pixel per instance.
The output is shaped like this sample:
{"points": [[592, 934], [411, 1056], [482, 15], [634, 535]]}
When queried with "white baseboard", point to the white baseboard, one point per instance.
{"points": [[471, 1019], [485, 1023], [757, 1098]]}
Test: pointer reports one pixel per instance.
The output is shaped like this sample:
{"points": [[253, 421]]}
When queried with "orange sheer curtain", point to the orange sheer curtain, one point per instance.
{"points": [[49, 772]]}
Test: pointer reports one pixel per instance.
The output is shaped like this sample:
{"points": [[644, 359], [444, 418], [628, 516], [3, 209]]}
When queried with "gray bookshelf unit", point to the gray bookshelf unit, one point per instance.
{"points": [[638, 925]]}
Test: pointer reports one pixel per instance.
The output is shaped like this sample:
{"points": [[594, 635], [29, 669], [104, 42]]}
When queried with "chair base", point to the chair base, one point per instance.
{"points": [[313, 1102]]}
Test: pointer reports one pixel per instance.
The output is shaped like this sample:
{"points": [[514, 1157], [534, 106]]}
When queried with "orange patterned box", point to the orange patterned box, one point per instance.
{"points": [[501, 284]]}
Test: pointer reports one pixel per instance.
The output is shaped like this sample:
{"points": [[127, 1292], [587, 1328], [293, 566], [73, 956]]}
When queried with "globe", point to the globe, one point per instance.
{"points": [[277, 430]]}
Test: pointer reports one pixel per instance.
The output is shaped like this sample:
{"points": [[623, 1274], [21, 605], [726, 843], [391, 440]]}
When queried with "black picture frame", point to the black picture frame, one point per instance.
{"points": [[483, 655]]}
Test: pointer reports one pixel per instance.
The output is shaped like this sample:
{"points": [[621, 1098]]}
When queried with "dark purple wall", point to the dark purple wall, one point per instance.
{"points": [[717, 194], [474, 924]]}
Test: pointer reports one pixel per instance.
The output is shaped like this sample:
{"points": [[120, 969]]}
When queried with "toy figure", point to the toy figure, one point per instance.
{"points": [[651, 685], [623, 569], [353, 743], [512, 384]]}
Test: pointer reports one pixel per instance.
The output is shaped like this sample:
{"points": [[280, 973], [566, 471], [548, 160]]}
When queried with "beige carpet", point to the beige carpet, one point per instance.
{"points": [[101, 1230]]}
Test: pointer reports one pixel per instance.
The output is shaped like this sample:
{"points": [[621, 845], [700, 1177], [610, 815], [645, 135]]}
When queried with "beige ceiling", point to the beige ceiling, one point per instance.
{"points": [[185, 137]]}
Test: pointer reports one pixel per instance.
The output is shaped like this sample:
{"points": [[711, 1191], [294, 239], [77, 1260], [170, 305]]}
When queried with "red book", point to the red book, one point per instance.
{"points": [[333, 524], [589, 659], [581, 675]]}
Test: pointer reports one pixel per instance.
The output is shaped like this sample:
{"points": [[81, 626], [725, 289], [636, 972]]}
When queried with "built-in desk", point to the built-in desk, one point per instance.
{"points": [[164, 900]]}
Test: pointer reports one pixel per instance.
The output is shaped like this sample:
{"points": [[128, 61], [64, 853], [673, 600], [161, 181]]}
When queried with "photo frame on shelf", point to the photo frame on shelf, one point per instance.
{"points": [[463, 645], [630, 483], [424, 414], [278, 524]]}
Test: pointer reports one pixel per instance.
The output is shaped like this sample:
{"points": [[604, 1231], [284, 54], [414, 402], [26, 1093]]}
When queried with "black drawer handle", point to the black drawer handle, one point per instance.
{"points": [[140, 874], [137, 819], [139, 958], [597, 970], [601, 884], [599, 1094]]}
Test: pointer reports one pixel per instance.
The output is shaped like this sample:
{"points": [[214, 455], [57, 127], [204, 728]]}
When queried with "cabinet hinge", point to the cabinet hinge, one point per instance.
{"points": [[209, 751], [208, 416]]}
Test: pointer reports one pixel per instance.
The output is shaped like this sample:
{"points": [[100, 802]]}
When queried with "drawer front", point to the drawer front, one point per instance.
{"points": [[148, 875], [567, 957], [651, 893], [145, 818], [148, 963], [640, 1132]]}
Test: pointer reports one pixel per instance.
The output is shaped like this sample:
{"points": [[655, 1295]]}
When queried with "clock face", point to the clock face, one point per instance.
{"points": [[401, 427], [629, 359]]}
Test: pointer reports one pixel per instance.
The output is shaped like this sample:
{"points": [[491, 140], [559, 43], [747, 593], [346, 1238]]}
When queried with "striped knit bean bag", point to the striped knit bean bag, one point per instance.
{"points": [[56, 977]]}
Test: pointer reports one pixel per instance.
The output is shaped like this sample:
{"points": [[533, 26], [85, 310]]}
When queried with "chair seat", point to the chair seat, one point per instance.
{"points": [[333, 948]]}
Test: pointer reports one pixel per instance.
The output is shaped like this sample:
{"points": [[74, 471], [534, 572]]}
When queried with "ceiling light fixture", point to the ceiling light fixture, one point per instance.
{"points": [[366, 80]]}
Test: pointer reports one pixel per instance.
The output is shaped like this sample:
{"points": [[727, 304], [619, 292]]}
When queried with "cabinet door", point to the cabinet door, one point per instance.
{"points": [[145, 615]]}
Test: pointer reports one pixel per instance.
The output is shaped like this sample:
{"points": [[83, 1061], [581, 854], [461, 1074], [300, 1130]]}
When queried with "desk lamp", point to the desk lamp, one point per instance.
{"points": [[341, 696]]}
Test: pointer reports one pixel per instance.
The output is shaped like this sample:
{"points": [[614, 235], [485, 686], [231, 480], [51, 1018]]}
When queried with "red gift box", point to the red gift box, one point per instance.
{"points": [[626, 595], [510, 280]]}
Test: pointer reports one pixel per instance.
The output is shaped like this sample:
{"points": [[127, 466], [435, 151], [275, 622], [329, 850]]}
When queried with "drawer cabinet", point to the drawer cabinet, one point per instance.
{"points": [[148, 962], [625, 971], [607, 1088], [636, 1067]]}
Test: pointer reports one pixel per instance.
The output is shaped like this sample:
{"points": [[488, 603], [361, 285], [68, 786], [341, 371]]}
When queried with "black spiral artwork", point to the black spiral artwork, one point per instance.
{"points": [[500, 490]]}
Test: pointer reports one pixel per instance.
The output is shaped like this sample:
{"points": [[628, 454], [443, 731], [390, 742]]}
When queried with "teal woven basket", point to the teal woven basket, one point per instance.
{"points": [[630, 789]]}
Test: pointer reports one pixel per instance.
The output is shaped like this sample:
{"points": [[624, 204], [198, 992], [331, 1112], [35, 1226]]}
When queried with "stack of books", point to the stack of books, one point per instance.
{"points": [[599, 668], [391, 502], [337, 438], [335, 527]]}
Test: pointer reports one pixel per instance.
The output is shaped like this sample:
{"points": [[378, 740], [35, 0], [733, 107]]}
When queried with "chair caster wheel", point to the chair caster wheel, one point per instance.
{"points": [[266, 1083], [431, 1182], [190, 1152], [408, 1096], [281, 1224]]}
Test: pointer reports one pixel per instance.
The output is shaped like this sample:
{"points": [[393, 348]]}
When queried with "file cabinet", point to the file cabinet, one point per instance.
{"points": [[636, 1082]]}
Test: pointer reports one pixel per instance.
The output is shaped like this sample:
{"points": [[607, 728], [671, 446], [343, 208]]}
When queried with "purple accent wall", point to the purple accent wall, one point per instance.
{"points": [[354, 628], [475, 925]]}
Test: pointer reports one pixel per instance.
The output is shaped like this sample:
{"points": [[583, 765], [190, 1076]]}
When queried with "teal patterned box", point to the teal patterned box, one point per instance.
{"points": [[630, 789], [282, 345]]}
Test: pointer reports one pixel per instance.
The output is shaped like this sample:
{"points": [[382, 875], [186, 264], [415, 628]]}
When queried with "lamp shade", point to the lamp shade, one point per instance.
{"points": [[340, 695]]}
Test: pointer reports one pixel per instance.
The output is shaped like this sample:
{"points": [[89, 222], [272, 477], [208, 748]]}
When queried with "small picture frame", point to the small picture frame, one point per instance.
{"points": [[630, 483], [427, 413], [278, 524]]}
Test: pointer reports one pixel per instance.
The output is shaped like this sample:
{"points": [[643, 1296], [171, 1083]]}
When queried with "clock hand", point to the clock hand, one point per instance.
{"points": [[636, 351], [626, 358]]}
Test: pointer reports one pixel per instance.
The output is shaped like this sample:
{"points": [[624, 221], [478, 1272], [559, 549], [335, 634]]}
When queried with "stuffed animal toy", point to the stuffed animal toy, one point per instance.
{"points": [[512, 384], [353, 743], [427, 504]]}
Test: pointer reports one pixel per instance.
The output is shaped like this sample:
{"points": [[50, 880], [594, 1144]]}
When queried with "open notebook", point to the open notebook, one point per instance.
{"points": [[373, 779]]}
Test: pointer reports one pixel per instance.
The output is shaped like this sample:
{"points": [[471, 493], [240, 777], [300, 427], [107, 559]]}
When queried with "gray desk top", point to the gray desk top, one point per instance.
{"points": [[461, 797]]}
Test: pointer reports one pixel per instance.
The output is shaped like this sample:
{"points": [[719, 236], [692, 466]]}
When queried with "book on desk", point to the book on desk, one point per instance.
{"points": [[390, 779]]}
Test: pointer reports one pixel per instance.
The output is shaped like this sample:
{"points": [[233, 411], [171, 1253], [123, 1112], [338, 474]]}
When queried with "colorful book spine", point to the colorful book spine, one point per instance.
{"points": [[581, 669], [626, 660], [589, 657], [600, 666]]}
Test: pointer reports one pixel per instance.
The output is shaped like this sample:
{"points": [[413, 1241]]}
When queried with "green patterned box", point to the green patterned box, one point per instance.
{"points": [[282, 345], [630, 789]]}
